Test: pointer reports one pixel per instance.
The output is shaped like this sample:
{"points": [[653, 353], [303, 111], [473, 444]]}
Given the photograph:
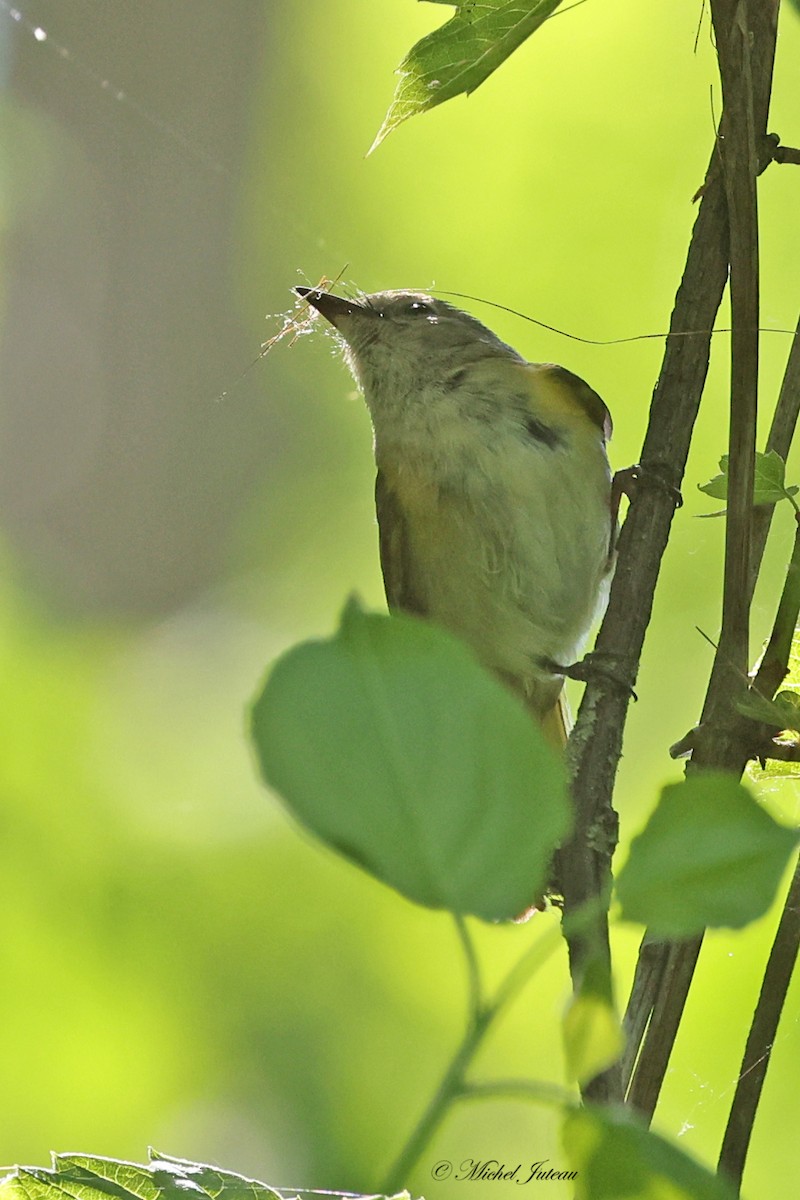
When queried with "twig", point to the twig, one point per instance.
{"points": [[646, 984], [775, 659], [779, 439], [655, 957], [762, 1036], [739, 169], [746, 63], [676, 961], [784, 951], [665, 969], [786, 154], [779, 751], [596, 741], [453, 1085]]}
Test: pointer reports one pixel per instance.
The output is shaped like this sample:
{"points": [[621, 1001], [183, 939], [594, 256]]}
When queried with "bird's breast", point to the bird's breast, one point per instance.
{"points": [[507, 537]]}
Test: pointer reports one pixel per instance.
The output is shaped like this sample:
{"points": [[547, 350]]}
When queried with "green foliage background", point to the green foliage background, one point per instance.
{"points": [[180, 965]]}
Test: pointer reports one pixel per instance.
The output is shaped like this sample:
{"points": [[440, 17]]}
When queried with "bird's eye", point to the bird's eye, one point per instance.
{"points": [[419, 306]]}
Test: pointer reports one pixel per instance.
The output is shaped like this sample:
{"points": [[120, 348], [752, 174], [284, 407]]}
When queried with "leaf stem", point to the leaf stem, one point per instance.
{"points": [[475, 985], [452, 1086], [745, 37], [549, 1094]]}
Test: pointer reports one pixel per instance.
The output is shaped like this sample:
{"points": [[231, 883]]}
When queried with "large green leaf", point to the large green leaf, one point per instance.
{"points": [[461, 54], [88, 1177], [709, 856], [394, 746], [617, 1158]]}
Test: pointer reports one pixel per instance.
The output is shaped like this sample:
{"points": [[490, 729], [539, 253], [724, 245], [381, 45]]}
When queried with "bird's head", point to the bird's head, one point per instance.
{"points": [[401, 340]]}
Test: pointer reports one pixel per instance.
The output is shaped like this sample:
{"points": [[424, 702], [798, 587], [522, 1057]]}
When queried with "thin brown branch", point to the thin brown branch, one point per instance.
{"points": [[739, 168], [647, 982], [596, 741], [677, 961], [666, 969], [745, 35], [779, 751], [761, 1039], [774, 663], [786, 154], [779, 439]]}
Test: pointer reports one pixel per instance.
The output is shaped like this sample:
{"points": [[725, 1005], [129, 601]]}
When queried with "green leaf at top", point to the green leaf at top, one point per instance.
{"points": [[615, 1157], [461, 54], [769, 481], [395, 747], [710, 856]]}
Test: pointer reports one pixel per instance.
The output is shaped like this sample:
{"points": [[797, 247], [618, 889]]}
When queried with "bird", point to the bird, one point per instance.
{"points": [[493, 491]]}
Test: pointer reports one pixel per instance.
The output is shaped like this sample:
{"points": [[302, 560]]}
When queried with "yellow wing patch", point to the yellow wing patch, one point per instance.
{"points": [[561, 394]]}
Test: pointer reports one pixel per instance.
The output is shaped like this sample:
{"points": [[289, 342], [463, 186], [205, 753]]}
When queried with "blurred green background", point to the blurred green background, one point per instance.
{"points": [[180, 966]]}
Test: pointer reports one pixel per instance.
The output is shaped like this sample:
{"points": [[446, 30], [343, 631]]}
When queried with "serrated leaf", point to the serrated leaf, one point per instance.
{"points": [[789, 704], [92, 1178], [395, 747], [709, 856], [718, 485], [615, 1157], [461, 54], [88, 1174], [769, 481], [208, 1180], [783, 712]]}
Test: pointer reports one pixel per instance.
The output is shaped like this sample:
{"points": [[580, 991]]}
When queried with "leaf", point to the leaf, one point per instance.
{"points": [[87, 1177], [769, 481], [708, 856], [617, 1158], [395, 747], [783, 712], [461, 54], [718, 485]]}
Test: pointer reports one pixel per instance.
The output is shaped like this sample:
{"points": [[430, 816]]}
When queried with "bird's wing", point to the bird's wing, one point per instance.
{"points": [[395, 550], [559, 388]]}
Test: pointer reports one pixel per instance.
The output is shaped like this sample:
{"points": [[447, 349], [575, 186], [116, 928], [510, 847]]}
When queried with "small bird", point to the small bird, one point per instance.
{"points": [[493, 491]]}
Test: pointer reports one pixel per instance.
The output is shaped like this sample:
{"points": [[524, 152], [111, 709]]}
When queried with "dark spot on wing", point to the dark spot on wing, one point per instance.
{"points": [[587, 398], [456, 379], [542, 433]]}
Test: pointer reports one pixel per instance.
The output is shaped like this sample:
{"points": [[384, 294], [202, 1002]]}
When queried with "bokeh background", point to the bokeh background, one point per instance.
{"points": [[180, 965]]}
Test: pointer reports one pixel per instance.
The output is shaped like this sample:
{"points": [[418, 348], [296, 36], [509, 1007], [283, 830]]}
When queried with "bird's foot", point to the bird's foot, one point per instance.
{"points": [[593, 665], [629, 480]]}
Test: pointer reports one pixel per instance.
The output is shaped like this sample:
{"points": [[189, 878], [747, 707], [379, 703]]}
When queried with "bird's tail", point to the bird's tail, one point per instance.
{"points": [[556, 723]]}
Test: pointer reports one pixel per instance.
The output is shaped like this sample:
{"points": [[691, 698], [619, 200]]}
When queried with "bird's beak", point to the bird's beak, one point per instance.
{"points": [[333, 308]]}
